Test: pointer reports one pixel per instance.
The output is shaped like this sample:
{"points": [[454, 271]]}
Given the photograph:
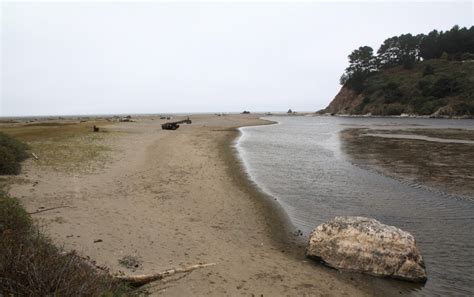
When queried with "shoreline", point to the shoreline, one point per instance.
{"points": [[401, 116], [280, 225], [177, 198]]}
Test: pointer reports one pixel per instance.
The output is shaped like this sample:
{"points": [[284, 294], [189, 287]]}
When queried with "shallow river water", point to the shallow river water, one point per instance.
{"points": [[300, 162]]}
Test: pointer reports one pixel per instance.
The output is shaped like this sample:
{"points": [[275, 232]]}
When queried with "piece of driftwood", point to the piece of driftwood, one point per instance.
{"points": [[175, 125], [35, 156], [48, 209], [143, 279]]}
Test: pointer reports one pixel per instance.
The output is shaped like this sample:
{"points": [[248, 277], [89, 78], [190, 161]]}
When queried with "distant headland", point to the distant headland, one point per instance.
{"points": [[418, 75]]}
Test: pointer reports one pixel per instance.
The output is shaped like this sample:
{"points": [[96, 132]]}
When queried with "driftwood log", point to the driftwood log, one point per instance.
{"points": [[48, 209], [174, 125], [143, 279]]}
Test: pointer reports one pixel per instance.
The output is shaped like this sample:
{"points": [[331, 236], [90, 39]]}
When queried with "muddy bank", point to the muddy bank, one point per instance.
{"points": [[442, 159]]}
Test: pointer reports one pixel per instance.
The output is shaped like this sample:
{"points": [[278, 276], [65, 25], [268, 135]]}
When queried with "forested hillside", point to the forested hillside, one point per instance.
{"points": [[424, 75]]}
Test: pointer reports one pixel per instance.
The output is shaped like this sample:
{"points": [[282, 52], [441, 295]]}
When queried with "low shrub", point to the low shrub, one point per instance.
{"points": [[8, 163], [394, 109], [18, 148], [467, 56], [392, 93], [12, 152], [444, 86], [360, 108], [463, 108], [428, 70]]}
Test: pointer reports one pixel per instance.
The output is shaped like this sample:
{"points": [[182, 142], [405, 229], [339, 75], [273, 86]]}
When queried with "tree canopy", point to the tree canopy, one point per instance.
{"points": [[406, 50]]}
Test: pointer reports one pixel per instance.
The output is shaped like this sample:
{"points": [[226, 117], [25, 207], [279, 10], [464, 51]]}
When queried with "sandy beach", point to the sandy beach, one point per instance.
{"points": [[177, 198]]}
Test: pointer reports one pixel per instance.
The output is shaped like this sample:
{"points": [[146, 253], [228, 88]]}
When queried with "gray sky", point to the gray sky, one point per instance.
{"points": [[153, 57]]}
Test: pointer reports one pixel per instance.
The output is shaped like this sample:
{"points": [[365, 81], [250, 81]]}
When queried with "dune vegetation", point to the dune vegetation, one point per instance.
{"points": [[30, 265]]}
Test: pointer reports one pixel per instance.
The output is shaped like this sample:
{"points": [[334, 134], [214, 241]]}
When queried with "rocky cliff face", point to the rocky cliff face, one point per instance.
{"points": [[345, 102]]}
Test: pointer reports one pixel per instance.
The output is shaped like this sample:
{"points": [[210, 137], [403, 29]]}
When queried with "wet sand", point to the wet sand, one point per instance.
{"points": [[177, 198], [440, 159]]}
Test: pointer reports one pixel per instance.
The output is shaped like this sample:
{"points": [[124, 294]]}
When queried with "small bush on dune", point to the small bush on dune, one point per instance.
{"points": [[18, 148], [13, 218], [8, 163], [12, 152]]}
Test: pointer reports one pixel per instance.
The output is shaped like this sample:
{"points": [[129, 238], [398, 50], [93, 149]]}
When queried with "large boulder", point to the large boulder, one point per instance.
{"points": [[368, 246]]}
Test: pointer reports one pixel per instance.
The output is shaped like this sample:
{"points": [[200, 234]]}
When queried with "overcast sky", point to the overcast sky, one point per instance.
{"points": [[153, 57]]}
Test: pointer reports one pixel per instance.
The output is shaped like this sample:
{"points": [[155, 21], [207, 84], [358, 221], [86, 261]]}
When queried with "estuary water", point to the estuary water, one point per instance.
{"points": [[300, 163]]}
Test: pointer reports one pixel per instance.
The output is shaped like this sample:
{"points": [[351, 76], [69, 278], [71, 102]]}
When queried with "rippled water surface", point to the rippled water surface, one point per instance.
{"points": [[299, 161]]}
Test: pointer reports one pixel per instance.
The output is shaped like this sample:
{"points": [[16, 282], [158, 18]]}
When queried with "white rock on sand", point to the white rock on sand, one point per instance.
{"points": [[365, 245]]}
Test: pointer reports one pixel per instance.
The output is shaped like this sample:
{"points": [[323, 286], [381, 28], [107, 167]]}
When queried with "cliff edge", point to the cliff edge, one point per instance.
{"points": [[437, 88]]}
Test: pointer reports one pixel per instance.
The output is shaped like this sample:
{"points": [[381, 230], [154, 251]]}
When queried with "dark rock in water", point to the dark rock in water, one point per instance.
{"points": [[365, 245]]}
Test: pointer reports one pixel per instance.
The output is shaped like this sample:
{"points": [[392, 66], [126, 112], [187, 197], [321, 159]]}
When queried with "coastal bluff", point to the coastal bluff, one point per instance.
{"points": [[436, 88], [365, 245], [345, 102]]}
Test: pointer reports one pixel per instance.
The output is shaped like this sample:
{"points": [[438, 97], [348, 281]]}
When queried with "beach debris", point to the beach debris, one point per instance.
{"points": [[143, 279], [130, 262], [365, 245], [42, 209], [98, 240], [297, 233], [126, 119], [175, 125], [88, 261], [95, 128], [35, 156]]}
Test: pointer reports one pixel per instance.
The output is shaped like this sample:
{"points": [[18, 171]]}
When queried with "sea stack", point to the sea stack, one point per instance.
{"points": [[365, 245]]}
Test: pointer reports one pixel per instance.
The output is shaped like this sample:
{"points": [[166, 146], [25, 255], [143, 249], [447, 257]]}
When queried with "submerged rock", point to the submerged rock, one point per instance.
{"points": [[365, 245]]}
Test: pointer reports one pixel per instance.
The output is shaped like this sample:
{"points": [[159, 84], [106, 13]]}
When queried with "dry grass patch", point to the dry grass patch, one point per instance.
{"points": [[69, 146]]}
